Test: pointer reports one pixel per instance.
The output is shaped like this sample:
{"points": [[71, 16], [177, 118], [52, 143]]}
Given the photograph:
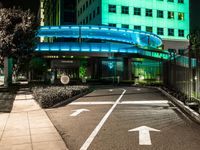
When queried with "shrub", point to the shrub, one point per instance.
{"points": [[49, 96]]}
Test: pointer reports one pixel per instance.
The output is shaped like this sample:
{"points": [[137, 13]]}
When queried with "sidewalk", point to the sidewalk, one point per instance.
{"points": [[27, 127]]}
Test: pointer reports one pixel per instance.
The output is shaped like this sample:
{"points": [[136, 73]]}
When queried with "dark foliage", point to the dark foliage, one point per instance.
{"points": [[18, 31]]}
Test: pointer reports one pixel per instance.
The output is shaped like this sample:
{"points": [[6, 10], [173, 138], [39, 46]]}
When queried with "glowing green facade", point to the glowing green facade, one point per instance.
{"points": [[167, 18]]}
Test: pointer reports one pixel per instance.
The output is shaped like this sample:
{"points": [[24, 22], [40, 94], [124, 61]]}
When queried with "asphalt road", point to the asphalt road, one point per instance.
{"points": [[110, 114]]}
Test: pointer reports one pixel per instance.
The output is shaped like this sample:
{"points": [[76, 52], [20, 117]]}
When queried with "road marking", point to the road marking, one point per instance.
{"points": [[146, 102], [144, 135], [77, 112], [91, 103], [98, 127], [124, 102]]}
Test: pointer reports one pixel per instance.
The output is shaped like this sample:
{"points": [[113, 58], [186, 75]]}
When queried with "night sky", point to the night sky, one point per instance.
{"points": [[34, 6]]}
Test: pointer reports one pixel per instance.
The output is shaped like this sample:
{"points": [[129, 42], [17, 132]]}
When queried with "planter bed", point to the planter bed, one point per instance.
{"points": [[49, 96]]}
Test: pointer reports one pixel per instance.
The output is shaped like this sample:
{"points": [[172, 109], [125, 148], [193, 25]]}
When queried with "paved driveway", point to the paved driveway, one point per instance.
{"points": [[108, 119]]}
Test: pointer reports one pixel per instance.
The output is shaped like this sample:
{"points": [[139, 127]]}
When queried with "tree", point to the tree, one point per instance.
{"points": [[194, 38], [18, 31], [194, 51]]}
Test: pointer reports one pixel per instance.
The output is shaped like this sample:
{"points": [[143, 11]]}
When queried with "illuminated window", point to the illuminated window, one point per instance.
{"points": [[181, 1], [149, 29], [125, 26], [137, 11], [125, 10], [149, 12], [159, 14], [170, 32], [112, 25], [160, 31], [137, 27], [180, 16], [170, 15], [181, 33], [112, 8]]}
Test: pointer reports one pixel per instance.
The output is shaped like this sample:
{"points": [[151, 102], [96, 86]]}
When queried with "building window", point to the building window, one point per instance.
{"points": [[181, 1], [81, 10], [98, 10], [180, 16], [159, 14], [125, 10], [112, 8], [170, 15], [86, 19], [137, 11], [90, 2], [87, 4], [137, 27], [160, 31], [125, 26], [170, 32], [170, 0], [69, 17], [93, 13], [90, 16], [149, 12], [84, 7], [112, 25], [181, 33], [149, 29]]}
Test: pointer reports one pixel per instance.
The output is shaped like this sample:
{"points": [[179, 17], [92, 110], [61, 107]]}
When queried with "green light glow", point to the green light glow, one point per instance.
{"points": [[133, 20]]}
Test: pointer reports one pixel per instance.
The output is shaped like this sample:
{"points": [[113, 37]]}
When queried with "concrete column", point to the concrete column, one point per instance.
{"points": [[127, 68], [96, 68]]}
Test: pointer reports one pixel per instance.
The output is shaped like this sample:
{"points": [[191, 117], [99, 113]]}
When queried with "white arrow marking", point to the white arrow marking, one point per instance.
{"points": [[144, 136], [78, 111]]}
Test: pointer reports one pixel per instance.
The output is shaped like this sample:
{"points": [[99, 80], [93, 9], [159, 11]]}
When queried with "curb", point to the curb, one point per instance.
{"points": [[186, 109], [69, 100]]}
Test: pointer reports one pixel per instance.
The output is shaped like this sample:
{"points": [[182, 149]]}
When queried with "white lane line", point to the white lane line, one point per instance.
{"points": [[124, 102], [91, 103], [146, 102], [98, 127]]}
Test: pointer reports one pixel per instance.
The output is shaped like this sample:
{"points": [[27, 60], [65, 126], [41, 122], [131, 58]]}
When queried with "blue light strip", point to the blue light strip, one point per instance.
{"points": [[140, 38], [110, 48], [143, 40]]}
